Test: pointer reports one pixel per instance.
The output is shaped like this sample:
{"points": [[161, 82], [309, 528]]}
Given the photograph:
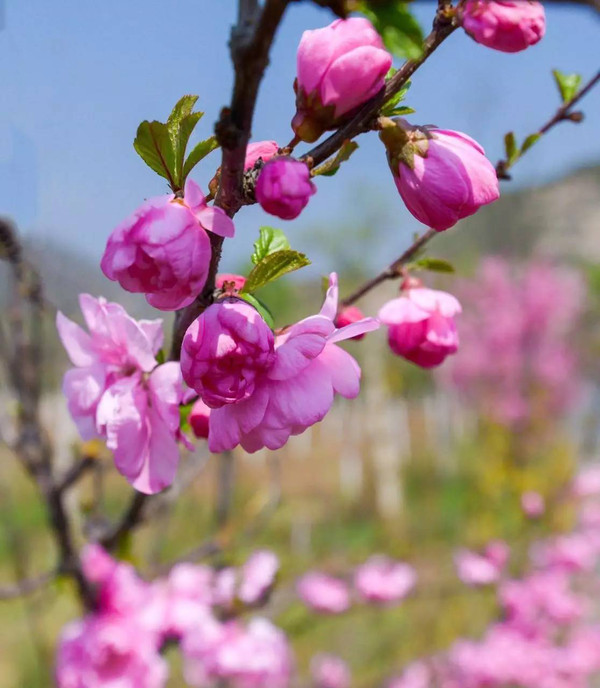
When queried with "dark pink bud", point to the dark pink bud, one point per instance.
{"points": [[506, 26], [283, 188], [349, 315], [198, 419]]}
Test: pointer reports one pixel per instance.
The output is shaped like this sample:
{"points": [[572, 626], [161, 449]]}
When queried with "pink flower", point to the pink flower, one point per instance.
{"points": [[416, 675], [253, 657], [163, 250], [323, 593], [340, 67], [349, 315], [290, 391], [442, 175], [109, 651], [261, 149], [283, 187], [421, 325], [198, 419], [506, 26], [481, 569], [258, 576], [225, 351], [140, 420], [533, 504], [381, 579], [119, 393], [330, 671]]}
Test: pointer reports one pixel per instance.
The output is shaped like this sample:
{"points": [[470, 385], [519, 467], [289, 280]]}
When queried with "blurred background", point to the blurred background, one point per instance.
{"points": [[421, 463]]}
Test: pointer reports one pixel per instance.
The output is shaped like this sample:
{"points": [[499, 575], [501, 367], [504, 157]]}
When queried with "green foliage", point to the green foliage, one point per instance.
{"points": [[433, 265], [568, 84], [261, 308], [331, 166], [162, 146], [510, 147], [184, 416], [391, 107], [269, 241], [399, 29], [529, 141], [274, 266]]}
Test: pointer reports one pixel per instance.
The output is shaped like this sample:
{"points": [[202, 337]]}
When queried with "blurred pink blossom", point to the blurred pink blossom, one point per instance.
{"points": [[482, 568], [330, 671], [381, 579], [258, 576], [533, 504], [323, 593]]}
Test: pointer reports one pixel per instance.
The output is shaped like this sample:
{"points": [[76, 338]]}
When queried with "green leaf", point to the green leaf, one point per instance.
{"points": [[402, 110], [154, 146], [331, 166], [388, 109], [184, 416], [529, 141], [434, 265], [568, 84], [397, 26], [261, 308], [269, 241], [272, 267], [201, 150], [161, 356], [182, 109], [510, 147]]}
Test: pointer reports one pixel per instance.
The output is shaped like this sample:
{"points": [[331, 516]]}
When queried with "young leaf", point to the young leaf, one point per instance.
{"points": [[154, 146], [331, 166], [272, 267], [184, 131], [201, 150], [269, 241], [399, 111], [261, 308], [393, 20], [434, 265], [510, 147], [529, 141], [182, 109], [388, 109], [568, 84]]}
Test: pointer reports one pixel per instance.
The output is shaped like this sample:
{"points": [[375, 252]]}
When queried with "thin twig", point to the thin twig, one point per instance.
{"points": [[563, 114], [133, 516], [75, 472], [27, 586]]}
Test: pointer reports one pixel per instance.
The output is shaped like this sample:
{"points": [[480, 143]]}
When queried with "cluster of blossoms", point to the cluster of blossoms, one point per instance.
{"points": [[549, 633], [193, 606], [199, 608], [525, 323]]}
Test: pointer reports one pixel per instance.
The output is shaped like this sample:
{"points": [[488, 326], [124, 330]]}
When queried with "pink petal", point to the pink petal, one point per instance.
{"points": [[215, 220], [402, 310], [344, 371], [76, 341], [330, 305], [354, 329], [193, 196], [303, 343]]}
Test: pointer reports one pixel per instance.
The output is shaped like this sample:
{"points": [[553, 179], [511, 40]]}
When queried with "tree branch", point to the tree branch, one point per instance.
{"points": [[563, 114], [133, 516], [27, 586]]}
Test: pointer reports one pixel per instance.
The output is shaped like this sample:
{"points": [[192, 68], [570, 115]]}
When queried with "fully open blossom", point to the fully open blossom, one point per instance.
{"points": [[421, 325], [506, 26], [283, 187], [381, 579], [255, 656], [108, 651], [324, 593], [262, 393], [258, 576], [442, 175], [340, 67], [225, 351], [330, 671], [118, 392], [163, 249], [264, 150]]}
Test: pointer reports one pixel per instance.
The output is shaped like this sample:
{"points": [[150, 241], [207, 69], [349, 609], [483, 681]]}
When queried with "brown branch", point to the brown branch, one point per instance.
{"points": [[251, 41], [133, 516], [26, 586], [392, 271], [25, 369], [563, 114], [75, 472]]}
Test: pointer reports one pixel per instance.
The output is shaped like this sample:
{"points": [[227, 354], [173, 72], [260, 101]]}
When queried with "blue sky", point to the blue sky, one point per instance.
{"points": [[77, 78]]}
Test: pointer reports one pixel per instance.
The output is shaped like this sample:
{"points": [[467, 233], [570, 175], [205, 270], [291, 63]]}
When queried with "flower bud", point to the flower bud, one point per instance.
{"points": [[198, 419], [340, 67], [264, 150], [283, 188], [349, 315], [224, 350], [506, 26], [421, 326], [442, 175]]}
